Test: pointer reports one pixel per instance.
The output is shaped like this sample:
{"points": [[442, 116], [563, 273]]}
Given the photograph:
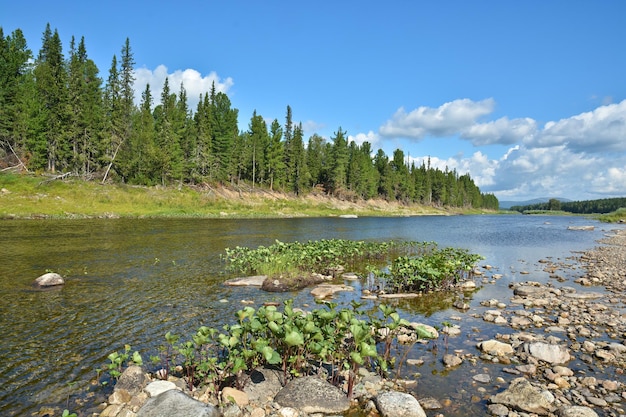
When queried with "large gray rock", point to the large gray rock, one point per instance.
{"points": [[522, 396], [554, 354], [398, 404], [51, 279], [311, 395], [176, 403]]}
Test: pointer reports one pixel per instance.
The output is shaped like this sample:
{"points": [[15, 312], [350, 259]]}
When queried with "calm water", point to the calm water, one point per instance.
{"points": [[131, 281]]}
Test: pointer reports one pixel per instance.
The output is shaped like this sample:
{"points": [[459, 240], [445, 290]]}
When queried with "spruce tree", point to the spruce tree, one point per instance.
{"points": [[339, 162], [86, 120], [51, 84], [274, 155], [14, 68]]}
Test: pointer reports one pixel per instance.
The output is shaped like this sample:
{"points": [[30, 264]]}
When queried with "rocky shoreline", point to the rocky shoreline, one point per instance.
{"points": [[561, 345]]}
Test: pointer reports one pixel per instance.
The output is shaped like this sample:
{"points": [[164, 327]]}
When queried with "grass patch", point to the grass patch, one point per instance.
{"points": [[35, 196]]}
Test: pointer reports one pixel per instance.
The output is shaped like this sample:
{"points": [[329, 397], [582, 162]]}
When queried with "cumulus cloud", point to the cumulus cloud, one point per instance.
{"points": [[600, 130], [479, 166], [448, 119], [502, 131], [194, 82], [370, 137]]}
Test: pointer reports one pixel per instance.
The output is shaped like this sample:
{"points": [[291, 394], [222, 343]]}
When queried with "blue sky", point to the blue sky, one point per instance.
{"points": [[528, 97]]}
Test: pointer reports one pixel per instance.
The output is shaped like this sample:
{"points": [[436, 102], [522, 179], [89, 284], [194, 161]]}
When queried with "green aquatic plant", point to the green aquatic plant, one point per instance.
{"points": [[320, 256], [332, 339]]}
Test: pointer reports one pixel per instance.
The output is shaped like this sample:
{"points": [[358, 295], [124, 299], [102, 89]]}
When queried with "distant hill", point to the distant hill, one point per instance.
{"points": [[504, 205]]}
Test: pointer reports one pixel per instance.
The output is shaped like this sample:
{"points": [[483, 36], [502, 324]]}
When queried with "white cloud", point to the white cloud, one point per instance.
{"points": [[610, 181], [195, 84], [600, 130], [597, 131], [370, 137], [448, 119], [479, 166], [579, 157], [502, 131]]}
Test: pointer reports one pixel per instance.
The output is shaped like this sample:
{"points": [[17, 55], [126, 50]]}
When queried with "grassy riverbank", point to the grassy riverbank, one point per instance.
{"points": [[31, 196]]}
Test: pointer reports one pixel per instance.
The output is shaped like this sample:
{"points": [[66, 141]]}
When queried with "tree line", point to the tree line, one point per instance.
{"points": [[58, 115], [600, 206]]}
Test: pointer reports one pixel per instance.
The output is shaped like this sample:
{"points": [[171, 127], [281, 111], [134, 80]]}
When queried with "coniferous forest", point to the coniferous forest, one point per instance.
{"points": [[58, 114]]}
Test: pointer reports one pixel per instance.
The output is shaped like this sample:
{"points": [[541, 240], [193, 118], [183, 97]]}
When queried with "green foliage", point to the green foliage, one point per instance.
{"points": [[55, 115], [66, 413], [423, 266], [601, 206], [313, 256], [617, 216], [435, 268], [341, 339], [119, 360]]}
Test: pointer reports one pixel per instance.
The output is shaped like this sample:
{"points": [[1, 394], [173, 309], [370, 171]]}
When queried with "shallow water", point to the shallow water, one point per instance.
{"points": [[131, 281]]}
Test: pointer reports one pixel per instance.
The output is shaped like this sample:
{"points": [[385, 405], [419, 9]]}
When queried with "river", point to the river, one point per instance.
{"points": [[131, 281]]}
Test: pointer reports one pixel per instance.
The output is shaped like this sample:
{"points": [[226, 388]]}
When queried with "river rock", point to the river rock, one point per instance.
{"points": [[327, 290], [262, 385], [51, 279], [398, 404], [159, 387], [576, 411], [450, 361], [234, 395], [176, 403], [522, 396], [253, 281], [531, 291], [495, 347], [133, 379], [311, 394], [554, 354]]}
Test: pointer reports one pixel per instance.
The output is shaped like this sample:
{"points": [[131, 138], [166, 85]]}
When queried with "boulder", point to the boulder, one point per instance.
{"points": [[311, 395], [176, 403], [522, 396], [51, 279], [398, 404]]}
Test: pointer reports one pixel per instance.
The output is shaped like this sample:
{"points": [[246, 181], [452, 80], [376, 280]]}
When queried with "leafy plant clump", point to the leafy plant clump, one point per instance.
{"points": [[320, 256], [434, 269], [329, 340], [418, 266]]}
